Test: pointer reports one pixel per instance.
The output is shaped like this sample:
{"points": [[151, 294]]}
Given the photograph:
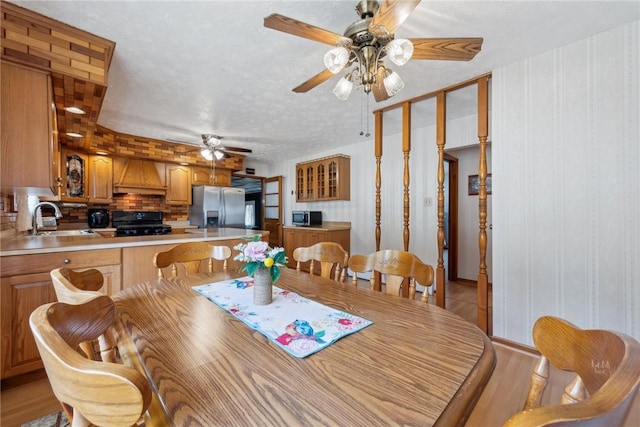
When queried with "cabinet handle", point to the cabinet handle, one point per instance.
{"points": [[66, 261]]}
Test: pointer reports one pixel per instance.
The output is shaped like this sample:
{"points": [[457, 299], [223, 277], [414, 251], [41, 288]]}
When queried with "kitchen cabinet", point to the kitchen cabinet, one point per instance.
{"points": [[178, 185], [100, 179], [296, 237], [137, 261], [324, 179], [73, 176], [29, 138], [210, 176], [25, 284]]}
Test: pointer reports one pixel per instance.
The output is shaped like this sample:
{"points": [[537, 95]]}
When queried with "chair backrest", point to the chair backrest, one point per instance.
{"points": [[397, 267], [220, 253], [186, 258], [77, 287], [99, 393], [607, 368], [330, 255]]}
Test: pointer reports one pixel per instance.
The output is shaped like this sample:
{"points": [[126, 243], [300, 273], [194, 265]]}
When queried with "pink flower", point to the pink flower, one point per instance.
{"points": [[346, 322], [257, 250]]}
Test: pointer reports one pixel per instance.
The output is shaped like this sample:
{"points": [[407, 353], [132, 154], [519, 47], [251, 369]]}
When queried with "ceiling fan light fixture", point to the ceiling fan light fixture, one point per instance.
{"points": [[218, 154], [392, 82], [206, 153], [399, 51], [336, 59], [343, 88]]}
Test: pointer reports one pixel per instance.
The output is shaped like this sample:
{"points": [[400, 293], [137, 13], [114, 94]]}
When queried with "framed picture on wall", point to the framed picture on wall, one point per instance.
{"points": [[474, 185]]}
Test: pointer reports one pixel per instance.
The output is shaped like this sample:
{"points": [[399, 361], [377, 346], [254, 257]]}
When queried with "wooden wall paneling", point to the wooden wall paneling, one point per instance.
{"points": [[483, 130]]}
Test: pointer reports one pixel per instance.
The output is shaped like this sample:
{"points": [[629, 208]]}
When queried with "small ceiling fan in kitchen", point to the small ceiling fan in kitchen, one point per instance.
{"points": [[213, 148], [367, 42]]}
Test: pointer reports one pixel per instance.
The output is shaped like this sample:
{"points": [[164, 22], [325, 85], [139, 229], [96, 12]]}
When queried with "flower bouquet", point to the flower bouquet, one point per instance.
{"points": [[259, 255]]}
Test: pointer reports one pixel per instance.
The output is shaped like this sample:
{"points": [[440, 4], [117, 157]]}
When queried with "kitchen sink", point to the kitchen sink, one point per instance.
{"points": [[67, 233]]}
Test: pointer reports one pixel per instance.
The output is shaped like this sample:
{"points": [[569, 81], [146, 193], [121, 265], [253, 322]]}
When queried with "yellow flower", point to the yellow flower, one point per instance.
{"points": [[268, 262]]}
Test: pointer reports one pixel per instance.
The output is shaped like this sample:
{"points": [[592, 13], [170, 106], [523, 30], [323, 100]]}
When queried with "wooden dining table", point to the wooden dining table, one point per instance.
{"points": [[417, 364]]}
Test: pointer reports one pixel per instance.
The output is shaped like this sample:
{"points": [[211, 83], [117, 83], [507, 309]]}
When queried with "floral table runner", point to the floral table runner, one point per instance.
{"points": [[297, 324]]}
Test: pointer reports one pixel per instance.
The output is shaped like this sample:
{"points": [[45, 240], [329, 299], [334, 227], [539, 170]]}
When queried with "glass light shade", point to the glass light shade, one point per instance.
{"points": [[399, 51], [206, 153], [343, 89], [219, 154], [393, 83], [336, 59]]}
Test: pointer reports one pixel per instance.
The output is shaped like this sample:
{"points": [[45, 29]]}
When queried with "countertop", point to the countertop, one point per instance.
{"points": [[25, 244], [325, 226]]}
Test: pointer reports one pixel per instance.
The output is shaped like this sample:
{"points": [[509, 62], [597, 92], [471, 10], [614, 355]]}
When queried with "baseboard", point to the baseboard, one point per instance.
{"points": [[22, 379], [515, 346]]}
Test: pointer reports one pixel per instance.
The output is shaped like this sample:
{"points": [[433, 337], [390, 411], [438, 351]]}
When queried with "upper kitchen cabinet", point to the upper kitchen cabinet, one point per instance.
{"points": [[178, 185], [324, 179], [29, 141], [100, 179], [210, 176]]}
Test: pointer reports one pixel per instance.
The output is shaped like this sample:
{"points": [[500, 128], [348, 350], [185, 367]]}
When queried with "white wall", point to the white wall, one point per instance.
{"points": [[566, 187]]}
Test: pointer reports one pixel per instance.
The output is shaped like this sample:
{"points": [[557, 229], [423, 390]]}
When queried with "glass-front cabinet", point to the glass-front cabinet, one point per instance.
{"points": [[323, 179]]}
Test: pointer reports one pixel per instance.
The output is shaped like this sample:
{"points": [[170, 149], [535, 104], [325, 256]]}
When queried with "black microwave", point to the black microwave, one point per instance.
{"points": [[306, 218]]}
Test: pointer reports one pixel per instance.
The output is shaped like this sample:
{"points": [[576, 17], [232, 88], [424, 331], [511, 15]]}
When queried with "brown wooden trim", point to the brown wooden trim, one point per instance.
{"points": [[433, 94], [516, 346]]}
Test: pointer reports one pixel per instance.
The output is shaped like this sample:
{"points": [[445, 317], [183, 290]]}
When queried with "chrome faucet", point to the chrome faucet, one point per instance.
{"points": [[55, 207]]}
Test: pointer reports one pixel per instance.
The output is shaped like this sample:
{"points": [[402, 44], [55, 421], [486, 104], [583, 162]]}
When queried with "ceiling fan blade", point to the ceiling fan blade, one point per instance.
{"points": [[379, 91], [237, 149], [451, 49], [314, 81], [301, 29], [393, 13]]}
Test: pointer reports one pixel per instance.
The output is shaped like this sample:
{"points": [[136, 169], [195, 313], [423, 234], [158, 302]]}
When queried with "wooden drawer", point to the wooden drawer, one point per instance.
{"points": [[44, 263]]}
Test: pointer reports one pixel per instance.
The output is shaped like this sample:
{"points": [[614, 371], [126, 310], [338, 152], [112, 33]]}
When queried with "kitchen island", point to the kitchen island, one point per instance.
{"points": [[124, 261]]}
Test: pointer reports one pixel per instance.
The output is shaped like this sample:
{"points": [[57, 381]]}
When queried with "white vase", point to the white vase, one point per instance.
{"points": [[262, 287]]}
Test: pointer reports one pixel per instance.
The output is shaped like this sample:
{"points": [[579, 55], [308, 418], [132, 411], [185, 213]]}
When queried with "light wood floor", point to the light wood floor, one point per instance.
{"points": [[502, 397]]}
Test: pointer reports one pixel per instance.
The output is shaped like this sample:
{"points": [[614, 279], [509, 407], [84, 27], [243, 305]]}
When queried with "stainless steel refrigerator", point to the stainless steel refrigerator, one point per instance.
{"points": [[214, 207]]}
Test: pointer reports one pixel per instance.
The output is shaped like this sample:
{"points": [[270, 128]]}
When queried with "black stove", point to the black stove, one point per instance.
{"points": [[139, 223]]}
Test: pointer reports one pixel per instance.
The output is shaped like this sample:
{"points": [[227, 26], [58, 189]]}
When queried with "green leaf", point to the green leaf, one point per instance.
{"points": [[275, 273]]}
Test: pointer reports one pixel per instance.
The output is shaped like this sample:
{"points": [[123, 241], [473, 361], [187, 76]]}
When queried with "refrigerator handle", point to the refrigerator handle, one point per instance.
{"points": [[223, 213]]}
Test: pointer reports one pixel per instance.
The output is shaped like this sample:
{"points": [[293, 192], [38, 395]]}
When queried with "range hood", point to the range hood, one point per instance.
{"points": [[139, 177]]}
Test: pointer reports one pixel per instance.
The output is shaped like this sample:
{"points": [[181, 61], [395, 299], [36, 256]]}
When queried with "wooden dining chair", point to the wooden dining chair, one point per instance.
{"points": [[330, 256], [188, 258], [77, 287], [607, 368], [397, 267], [91, 392]]}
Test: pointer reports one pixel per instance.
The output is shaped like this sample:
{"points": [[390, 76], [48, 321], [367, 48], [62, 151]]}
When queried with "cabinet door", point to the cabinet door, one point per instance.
{"points": [[210, 176], [178, 185], [74, 167], [296, 238], [100, 180], [20, 296], [28, 142]]}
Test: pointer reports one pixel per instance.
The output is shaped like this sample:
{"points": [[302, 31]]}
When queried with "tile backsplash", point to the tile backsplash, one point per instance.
{"points": [[123, 202]]}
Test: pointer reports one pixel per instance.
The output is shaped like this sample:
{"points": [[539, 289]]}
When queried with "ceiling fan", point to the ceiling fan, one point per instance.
{"points": [[213, 148], [367, 42]]}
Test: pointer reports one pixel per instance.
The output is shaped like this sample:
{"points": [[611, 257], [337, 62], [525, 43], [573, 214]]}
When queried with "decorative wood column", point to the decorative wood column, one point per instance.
{"points": [[483, 130], [378, 154], [441, 122], [406, 151]]}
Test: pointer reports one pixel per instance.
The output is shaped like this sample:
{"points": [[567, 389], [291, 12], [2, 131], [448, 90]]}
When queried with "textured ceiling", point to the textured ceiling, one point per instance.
{"points": [[183, 68]]}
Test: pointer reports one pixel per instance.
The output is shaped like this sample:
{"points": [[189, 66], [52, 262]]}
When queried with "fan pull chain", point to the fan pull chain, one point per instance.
{"points": [[361, 114]]}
